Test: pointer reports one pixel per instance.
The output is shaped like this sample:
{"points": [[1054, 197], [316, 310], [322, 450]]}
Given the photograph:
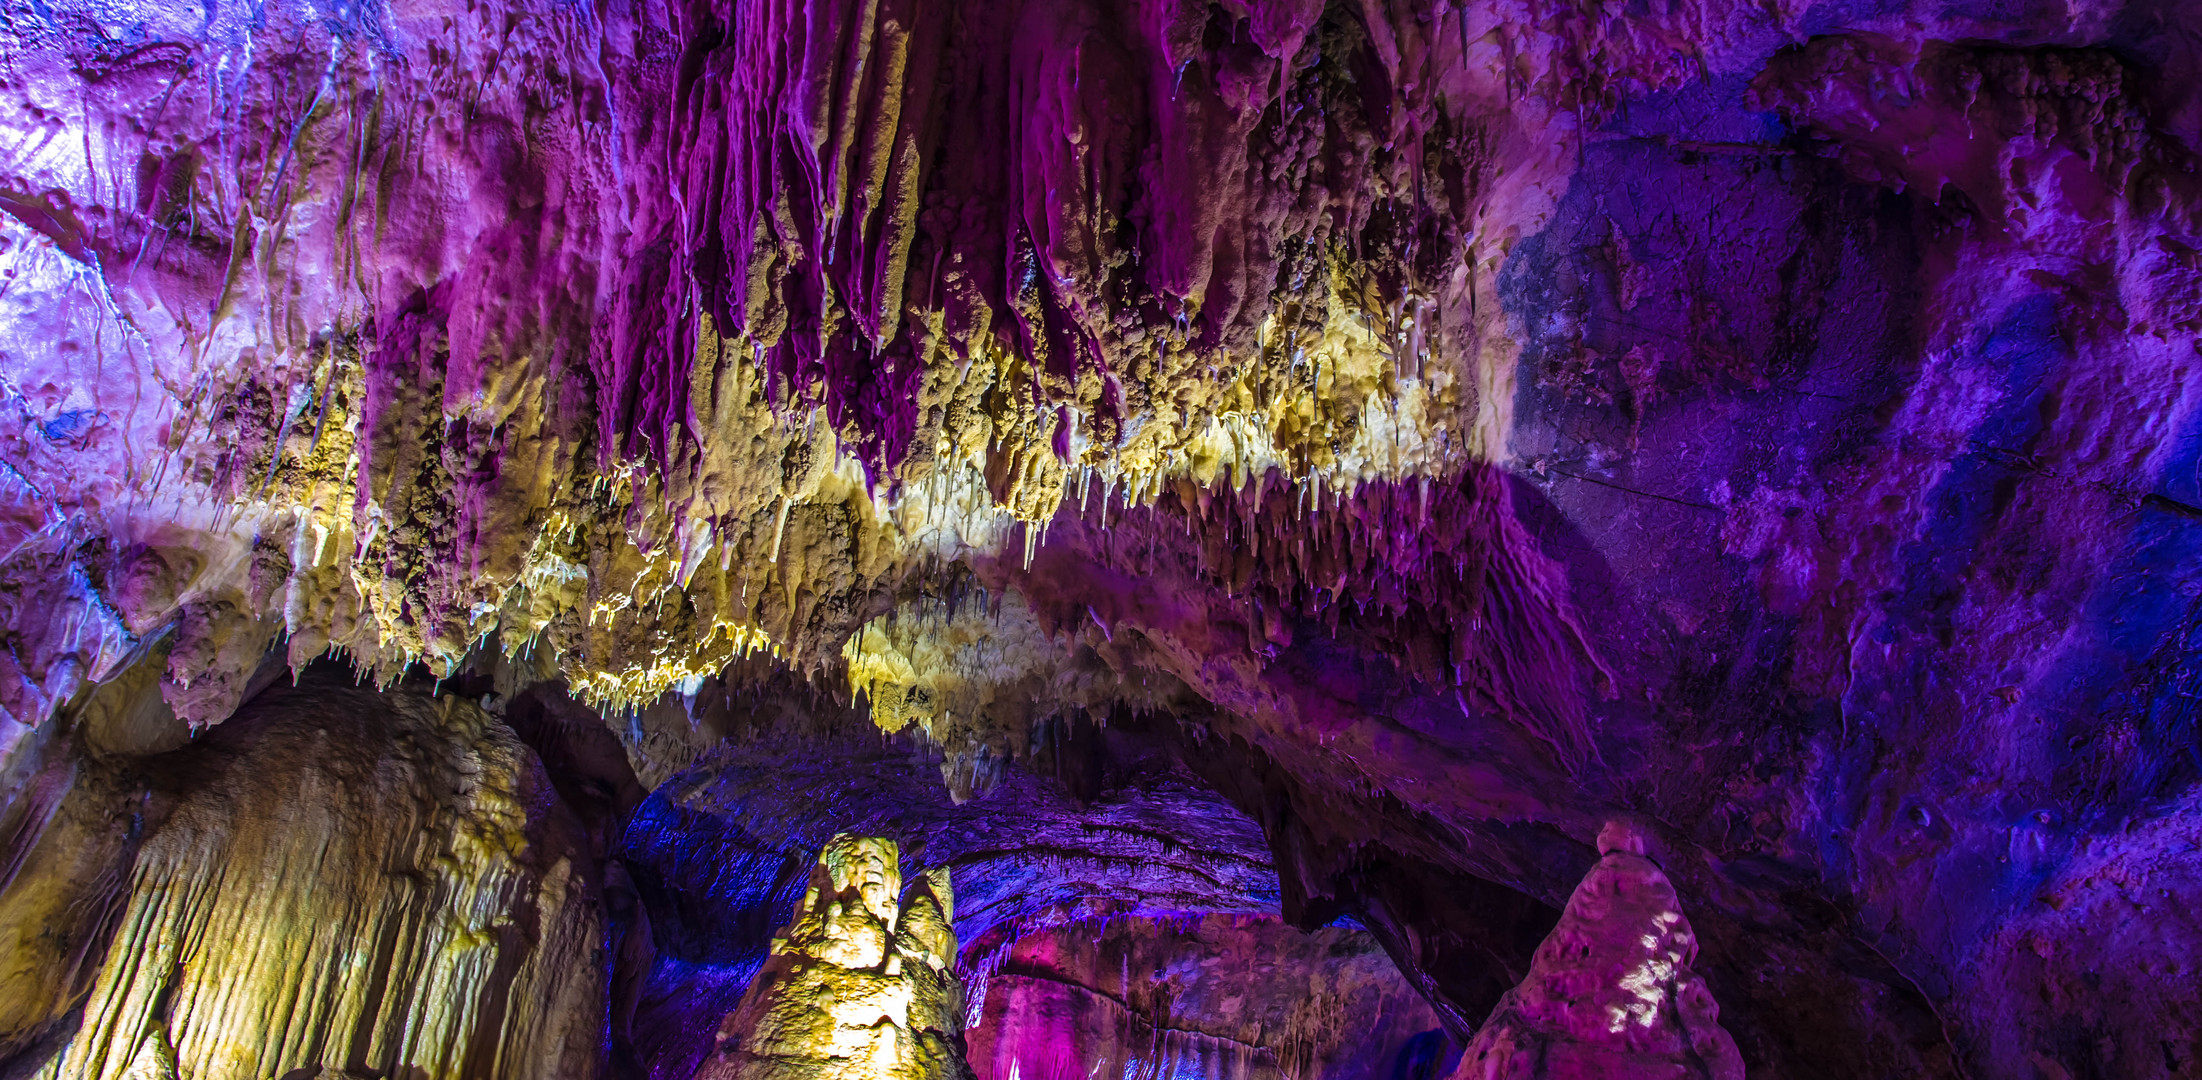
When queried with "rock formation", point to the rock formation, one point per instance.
{"points": [[489, 491], [861, 985], [340, 880], [1611, 992]]}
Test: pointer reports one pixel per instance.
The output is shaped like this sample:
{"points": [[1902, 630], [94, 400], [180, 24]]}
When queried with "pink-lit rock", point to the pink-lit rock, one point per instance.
{"points": [[1229, 996], [1318, 460], [1611, 992]]}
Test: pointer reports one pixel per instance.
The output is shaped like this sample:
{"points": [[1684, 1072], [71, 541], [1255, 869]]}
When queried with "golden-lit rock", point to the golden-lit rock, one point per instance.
{"points": [[336, 881], [861, 986]]}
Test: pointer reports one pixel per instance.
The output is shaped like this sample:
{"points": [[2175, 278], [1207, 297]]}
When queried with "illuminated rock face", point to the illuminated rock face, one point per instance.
{"points": [[861, 986], [698, 327], [1319, 459], [1611, 992], [338, 880]]}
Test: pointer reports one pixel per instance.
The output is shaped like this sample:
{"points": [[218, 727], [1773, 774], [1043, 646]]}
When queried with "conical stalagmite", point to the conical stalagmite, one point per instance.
{"points": [[859, 986], [1610, 993]]}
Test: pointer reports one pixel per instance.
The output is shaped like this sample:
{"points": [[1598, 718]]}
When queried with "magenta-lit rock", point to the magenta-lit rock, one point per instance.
{"points": [[1014, 540]]}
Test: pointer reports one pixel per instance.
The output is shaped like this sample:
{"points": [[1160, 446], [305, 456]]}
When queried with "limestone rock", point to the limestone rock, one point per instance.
{"points": [[859, 986], [1241, 996], [343, 883], [1610, 993]]}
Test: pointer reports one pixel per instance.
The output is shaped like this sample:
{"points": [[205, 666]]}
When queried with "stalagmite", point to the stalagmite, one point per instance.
{"points": [[1610, 993], [860, 986], [1308, 461]]}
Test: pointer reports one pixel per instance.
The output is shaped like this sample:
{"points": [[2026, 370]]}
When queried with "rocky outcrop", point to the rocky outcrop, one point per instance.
{"points": [[1611, 992], [861, 986]]}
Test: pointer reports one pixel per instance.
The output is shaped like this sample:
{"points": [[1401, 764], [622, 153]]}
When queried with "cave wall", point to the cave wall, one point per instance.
{"points": [[1244, 997], [1264, 458], [444, 881], [336, 879]]}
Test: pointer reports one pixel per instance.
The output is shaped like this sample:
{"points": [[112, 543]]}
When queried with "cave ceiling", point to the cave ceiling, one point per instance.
{"points": [[1357, 484]]}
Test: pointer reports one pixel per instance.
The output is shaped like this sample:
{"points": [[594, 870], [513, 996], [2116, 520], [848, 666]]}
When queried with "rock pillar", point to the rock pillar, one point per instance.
{"points": [[1610, 992]]}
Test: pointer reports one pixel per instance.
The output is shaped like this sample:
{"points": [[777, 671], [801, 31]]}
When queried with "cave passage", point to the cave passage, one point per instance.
{"points": [[1100, 540]]}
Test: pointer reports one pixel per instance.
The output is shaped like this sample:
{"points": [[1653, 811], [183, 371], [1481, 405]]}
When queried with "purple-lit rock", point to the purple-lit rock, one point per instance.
{"points": [[1176, 459], [1611, 992]]}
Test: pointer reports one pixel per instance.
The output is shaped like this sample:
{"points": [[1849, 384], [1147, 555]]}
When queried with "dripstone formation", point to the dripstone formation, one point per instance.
{"points": [[1238, 494], [861, 984], [1611, 992]]}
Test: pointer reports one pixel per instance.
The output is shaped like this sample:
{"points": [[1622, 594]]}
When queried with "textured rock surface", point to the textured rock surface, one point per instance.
{"points": [[1263, 456], [1232, 997], [337, 879], [722, 851], [860, 985], [1611, 992], [682, 304]]}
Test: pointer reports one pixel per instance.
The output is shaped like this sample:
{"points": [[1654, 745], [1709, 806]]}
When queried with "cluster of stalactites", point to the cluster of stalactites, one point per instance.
{"points": [[726, 409], [1433, 572]]}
